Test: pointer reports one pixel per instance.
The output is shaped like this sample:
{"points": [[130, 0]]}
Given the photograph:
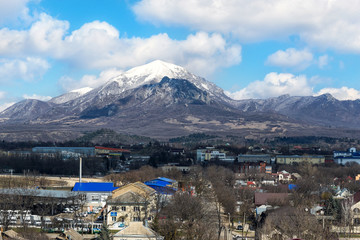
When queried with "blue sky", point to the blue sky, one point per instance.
{"points": [[251, 49]]}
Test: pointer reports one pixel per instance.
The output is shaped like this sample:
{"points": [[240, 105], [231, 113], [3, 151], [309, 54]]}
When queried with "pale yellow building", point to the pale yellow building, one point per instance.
{"points": [[291, 159], [134, 202]]}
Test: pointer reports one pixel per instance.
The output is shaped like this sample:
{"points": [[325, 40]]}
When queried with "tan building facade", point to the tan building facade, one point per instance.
{"points": [[134, 202]]}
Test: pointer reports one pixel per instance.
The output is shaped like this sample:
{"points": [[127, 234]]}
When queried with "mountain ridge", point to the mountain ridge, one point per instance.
{"points": [[145, 101]]}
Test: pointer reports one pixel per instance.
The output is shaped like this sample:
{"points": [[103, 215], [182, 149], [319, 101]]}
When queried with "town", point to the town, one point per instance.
{"points": [[211, 192]]}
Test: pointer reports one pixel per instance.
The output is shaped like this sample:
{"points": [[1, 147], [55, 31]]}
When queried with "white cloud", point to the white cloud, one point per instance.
{"points": [[324, 23], [13, 10], [90, 81], [323, 61], [28, 69], [97, 45], [275, 84], [299, 59], [343, 93], [37, 97]]}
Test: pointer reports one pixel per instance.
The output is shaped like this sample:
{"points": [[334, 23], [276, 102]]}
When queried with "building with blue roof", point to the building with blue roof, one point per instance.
{"points": [[163, 185], [96, 192], [349, 156]]}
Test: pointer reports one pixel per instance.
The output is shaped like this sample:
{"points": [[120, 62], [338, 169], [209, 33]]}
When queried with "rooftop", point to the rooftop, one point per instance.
{"points": [[94, 187]]}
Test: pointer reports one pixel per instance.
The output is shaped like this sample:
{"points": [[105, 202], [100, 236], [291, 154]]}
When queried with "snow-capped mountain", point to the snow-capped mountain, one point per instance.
{"points": [[154, 72], [163, 100]]}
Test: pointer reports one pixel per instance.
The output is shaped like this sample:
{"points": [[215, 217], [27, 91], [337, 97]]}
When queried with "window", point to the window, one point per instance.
{"points": [[95, 198], [113, 219], [123, 208], [136, 209], [136, 219]]}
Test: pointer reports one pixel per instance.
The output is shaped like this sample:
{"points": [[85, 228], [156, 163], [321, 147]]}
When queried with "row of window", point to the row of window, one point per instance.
{"points": [[135, 219], [123, 208]]}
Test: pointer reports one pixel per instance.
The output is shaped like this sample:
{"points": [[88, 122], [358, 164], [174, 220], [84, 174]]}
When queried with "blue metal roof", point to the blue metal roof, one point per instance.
{"points": [[163, 190], [94, 187], [161, 181], [157, 182], [166, 179]]}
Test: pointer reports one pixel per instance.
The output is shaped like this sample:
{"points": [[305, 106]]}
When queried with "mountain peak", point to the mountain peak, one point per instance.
{"points": [[157, 69]]}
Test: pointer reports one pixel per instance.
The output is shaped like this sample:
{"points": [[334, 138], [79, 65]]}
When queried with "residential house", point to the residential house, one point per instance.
{"points": [[274, 199], [136, 230], [70, 234], [134, 202], [283, 176]]}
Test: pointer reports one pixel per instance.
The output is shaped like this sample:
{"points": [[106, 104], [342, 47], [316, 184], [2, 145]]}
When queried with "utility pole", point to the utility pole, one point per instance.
{"points": [[80, 169]]}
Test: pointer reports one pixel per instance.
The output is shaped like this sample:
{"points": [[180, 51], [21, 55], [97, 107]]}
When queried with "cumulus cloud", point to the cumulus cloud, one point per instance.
{"points": [[324, 23], [37, 97], [88, 81], [291, 57], [13, 10], [343, 93], [275, 84], [28, 69], [98, 45]]}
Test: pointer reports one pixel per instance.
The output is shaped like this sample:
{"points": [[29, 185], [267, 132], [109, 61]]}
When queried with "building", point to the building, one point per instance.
{"points": [[134, 202], [112, 152], [247, 158], [274, 199], [291, 159], [349, 156], [208, 154], [96, 193], [163, 185], [65, 151], [68, 152], [212, 154]]}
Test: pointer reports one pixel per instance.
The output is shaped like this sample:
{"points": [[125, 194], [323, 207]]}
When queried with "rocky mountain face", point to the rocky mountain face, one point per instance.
{"points": [[162, 100], [322, 110]]}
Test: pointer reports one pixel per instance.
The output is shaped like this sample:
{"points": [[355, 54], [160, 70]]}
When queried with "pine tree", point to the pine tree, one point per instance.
{"points": [[105, 233]]}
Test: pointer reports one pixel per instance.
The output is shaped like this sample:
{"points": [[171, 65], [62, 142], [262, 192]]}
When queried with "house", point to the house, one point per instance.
{"points": [[342, 194], [284, 176], [134, 202], [70, 234], [274, 199], [96, 192], [136, 230]]}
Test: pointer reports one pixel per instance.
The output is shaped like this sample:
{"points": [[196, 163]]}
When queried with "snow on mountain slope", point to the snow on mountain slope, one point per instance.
{"points": [[70, 95], [153, 72]]}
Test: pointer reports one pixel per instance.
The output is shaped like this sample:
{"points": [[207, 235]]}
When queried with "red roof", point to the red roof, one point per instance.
{"points": [[112, 149]]}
